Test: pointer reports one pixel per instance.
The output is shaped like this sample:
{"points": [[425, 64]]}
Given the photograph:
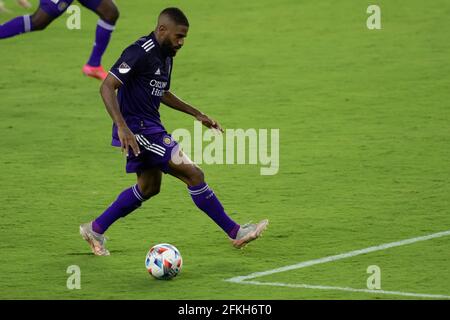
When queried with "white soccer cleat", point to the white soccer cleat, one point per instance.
{"points": [[248, 233], [96, 241]]}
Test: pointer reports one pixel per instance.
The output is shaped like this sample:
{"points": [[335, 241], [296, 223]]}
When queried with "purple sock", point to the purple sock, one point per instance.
{"points": [[15, 27], [205, 199], [128, 201], [102, 37]]}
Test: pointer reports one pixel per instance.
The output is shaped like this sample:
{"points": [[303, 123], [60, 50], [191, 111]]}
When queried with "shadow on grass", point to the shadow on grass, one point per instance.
{"points": [[91, 254]]}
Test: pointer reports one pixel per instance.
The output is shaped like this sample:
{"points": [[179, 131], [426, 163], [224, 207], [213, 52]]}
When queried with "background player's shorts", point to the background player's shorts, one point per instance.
{"points": [[57, 7], [156, 151]]}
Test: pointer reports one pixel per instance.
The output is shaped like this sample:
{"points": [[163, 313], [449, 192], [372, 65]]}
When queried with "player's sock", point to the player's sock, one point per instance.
{"points": [[205, 199], [128, 201], [102, 37], [15, 27]]}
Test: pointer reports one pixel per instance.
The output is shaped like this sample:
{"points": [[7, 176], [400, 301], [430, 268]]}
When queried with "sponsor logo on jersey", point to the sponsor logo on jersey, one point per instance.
{"points": [[124, 68], [62, 6], [167, 140]]}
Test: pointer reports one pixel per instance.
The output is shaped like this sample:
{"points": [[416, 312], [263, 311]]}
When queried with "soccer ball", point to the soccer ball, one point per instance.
{"points": [[163, 261]]}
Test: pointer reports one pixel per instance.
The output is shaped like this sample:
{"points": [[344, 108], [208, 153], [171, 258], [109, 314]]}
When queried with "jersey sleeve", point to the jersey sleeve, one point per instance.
{"points": [[128, 64]]}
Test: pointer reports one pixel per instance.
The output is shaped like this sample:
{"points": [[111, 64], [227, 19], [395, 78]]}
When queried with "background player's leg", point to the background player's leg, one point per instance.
{"points": [[204, 198], [149, 183], [2, 7], [24, 4], [22, 24], [109, 14]]}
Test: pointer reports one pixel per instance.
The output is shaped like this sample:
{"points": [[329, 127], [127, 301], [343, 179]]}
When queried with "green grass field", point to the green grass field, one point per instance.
{"points": [[364, 152]]}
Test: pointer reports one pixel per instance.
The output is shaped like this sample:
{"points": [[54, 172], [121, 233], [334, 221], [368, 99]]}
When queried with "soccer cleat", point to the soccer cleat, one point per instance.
{"points": [[95, 240], [95, 72], [249, 232]]}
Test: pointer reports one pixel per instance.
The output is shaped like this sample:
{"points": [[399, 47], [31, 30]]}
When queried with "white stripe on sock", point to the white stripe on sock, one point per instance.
{"points": [[197, 192], [136, 193], [105, 25], [27, 23]]}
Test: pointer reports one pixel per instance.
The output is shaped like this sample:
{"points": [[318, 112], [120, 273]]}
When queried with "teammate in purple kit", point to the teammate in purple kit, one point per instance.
{"points": [[142, 76], [49, 10]]}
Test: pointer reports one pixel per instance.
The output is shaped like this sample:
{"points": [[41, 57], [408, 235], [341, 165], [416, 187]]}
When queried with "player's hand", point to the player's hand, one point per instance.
{"points": [[208, 122], [127, 140]]}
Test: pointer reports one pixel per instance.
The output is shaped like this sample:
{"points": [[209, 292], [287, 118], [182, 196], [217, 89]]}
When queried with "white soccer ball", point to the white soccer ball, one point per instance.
{"points": [[163, 261]]}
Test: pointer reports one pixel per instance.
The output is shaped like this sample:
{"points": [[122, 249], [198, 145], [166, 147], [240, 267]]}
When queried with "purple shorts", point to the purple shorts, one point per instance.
{"points": [[156, 151], [57, 7]]}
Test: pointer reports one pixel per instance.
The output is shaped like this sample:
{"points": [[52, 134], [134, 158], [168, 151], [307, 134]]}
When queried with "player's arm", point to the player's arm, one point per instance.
{"points": [[172, 101], [108, 93]]}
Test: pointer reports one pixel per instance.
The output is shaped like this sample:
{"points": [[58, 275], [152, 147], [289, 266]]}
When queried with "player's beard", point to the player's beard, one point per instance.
{"points": [[168, 49]]}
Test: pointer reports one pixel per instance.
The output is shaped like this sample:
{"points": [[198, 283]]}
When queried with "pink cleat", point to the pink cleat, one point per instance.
{"points": [[95, 72], [249, 232]]}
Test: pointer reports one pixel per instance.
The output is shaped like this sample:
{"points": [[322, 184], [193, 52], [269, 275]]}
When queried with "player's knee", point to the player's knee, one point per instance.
{"points": [[38, 22], [197, 177], [149, 191], [111, 15], [39, 26]]}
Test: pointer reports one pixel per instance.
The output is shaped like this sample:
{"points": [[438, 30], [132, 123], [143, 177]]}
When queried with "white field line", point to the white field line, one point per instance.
{"points": [[243, 279], [308, 286]]}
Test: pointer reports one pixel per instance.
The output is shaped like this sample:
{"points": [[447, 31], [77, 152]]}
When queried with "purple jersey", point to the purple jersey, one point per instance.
{"points": [[144, 73], [57, 7]]}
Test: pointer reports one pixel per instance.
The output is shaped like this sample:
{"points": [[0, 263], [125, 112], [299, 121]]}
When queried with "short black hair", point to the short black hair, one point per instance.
{"points": [[176, 15]]}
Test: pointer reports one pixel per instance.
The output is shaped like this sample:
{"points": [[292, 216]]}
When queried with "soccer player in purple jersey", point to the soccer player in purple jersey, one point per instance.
{"points": [[49, 10], [142, 77]]}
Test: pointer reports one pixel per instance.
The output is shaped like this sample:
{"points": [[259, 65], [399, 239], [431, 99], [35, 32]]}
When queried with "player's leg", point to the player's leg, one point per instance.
{"points": [[27, 23], [3, 7], [108, 14], [204, 198], [48, 11], [181, 167], [24, 4], [148, 185]]}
